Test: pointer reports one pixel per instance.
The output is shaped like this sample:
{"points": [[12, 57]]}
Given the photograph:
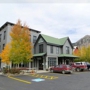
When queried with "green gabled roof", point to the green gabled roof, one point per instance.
{"points": [[39, 54], [62, 40], [67, 55], [50, 39], [53, 40]]}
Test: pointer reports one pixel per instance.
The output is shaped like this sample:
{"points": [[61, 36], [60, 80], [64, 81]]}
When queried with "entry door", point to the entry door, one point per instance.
{"points": [[40, 64]]}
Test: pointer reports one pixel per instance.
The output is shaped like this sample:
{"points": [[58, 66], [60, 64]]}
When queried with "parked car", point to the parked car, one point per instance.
{"points": [[79, 66], [62, 68], [88, 65]]}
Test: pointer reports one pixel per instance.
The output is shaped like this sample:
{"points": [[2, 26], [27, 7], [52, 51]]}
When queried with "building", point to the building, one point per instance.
{"points": [[50, 51], [5, 37]]}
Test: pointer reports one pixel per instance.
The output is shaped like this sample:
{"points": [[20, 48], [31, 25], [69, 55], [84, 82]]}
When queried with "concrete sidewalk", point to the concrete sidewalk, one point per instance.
{"points": [[37, 71], [0, 73], [41, 71]]}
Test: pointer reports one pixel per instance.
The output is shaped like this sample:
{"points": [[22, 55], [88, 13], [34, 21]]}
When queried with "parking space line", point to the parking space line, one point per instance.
{"points": [[19, 80], [54, 77], [44, 76]]}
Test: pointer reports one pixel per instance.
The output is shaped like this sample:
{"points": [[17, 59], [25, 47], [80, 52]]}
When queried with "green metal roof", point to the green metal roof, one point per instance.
{"points": [[39, 54], [53, 40], [67, 55], [62, 40]]}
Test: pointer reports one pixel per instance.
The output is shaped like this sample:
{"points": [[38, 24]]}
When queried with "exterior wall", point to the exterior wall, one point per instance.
{"points": [[64, 47], [8, 38], [3, 41], [2, 36], [52, 55], [54, 51]]}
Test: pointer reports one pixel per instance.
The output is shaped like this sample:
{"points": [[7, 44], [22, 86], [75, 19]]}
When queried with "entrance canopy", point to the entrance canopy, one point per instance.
{"points": [[68, 55], [39, 54]]}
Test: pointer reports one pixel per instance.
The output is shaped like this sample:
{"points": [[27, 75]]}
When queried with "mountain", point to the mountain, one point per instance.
{"points": [[85, 41]]}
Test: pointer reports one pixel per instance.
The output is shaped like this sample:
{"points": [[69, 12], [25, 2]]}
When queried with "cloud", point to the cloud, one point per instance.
{"points": [[45, 1], [55, 19]]}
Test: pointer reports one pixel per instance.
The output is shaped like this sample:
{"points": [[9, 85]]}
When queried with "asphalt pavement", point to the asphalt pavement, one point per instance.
{"points": [[46, 81]]}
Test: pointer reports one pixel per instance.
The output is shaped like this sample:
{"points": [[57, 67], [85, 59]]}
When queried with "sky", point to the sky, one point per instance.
{"points": [[57, 18]]}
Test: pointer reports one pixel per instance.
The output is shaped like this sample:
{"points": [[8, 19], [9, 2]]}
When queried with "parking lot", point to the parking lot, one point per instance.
{"points": [[46, 81]]}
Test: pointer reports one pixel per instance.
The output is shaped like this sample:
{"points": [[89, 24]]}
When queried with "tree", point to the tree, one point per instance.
{"points": [[83, 53], [5, 54], [21, 47]]}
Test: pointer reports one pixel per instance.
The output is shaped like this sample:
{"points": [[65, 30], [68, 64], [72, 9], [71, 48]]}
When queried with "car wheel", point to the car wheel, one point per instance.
{"points": [[73, 69], [63, 72], [51, 71], [78, 69], [89, 69], [71, 72]]}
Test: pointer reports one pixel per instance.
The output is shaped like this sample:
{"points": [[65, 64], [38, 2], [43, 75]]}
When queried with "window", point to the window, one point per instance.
{"points": [[51, 61], [41, 48], [51, 49], [3, 46], [57, 50], [4, 34], [67, 50], [34, 39], [0, 37]]}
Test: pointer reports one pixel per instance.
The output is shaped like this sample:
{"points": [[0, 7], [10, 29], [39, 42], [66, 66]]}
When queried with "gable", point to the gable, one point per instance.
{"points": [[68, 43], [40, 40]]}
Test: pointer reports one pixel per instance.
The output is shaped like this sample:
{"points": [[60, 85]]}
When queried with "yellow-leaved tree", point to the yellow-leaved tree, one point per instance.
{"points": [[83, 53], [21, 46], [5, 54]]}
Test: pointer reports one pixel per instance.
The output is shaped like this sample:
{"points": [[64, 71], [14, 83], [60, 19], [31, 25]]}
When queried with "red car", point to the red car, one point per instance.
{"points": [[62, 68]]}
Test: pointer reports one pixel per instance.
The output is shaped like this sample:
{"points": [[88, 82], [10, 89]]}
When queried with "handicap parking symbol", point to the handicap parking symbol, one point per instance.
{"points": [[38, 80]]}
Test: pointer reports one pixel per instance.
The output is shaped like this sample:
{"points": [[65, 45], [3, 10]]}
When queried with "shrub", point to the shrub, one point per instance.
{"points": [[5, 70], [14, 71]]}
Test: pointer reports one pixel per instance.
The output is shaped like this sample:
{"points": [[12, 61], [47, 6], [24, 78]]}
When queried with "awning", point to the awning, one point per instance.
{"points": [[39, 54], [67, 55]]}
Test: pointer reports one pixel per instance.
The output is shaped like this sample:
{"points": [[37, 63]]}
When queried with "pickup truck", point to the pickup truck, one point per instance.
{"points": [[79, 66]]}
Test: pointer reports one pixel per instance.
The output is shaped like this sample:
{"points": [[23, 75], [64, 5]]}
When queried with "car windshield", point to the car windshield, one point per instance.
{"points": [[78, 63]]}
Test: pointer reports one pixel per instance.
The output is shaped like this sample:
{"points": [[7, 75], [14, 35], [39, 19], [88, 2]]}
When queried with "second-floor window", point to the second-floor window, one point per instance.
{"points": [[4, 35], [51, 49], [41, 48], [34, 39], [57, 50], [0, 37], [67, 50], [3, 46]]}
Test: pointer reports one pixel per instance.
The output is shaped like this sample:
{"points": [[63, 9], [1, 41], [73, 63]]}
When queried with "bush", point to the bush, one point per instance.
{"points": [[5, 70], [12, 71], [47, 69]]}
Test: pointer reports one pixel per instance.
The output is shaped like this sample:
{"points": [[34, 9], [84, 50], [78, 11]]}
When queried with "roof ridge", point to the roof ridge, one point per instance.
{"points": [[63, 37], [54, 40], [15, 24], [49, 36]]}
